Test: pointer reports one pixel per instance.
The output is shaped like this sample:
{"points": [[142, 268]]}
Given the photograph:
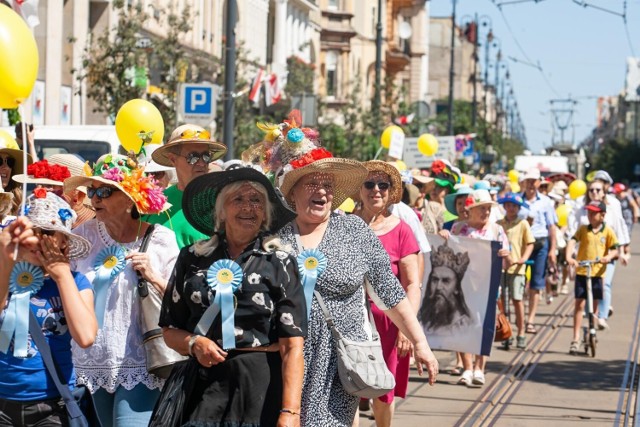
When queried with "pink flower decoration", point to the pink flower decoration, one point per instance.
{"points": [[113, 174], [156, 199]]}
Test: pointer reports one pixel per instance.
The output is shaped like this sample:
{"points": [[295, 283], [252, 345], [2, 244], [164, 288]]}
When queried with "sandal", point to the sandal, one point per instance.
{"points": [[574, 348], [456, 370], [531, 329]]}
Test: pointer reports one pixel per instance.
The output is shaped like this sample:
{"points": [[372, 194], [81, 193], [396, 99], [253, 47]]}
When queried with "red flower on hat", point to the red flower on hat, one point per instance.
{"points": [[43, 169], [310, 157], [40, 193], [437, 167], [469, 201]]}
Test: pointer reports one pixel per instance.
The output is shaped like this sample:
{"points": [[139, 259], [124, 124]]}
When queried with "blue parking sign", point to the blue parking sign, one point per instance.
{"points": [[198, 100]]}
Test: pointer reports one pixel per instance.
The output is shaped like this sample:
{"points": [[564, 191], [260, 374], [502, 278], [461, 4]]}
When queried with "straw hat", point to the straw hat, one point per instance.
{"points": [[395, 191], [50, 212], [11, 149], [126, 175], [188, 134], [419, 178], [479, 198], [199, 198]]}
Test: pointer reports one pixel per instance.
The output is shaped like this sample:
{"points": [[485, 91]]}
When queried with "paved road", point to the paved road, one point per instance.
{"points": [[544, 385]]}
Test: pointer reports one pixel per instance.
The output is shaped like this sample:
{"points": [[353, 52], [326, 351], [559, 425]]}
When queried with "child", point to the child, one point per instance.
{"points": [[521, 239], [61, 300], [596, 241]]}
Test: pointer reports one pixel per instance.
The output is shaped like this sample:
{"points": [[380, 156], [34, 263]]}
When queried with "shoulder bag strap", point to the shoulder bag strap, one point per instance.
{"points": [[45, 352], [143, 285]]}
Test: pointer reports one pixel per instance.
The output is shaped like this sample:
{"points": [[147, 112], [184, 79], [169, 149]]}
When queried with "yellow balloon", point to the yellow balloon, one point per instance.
{"points": [[515, 187], [513, 175], [385, 138], [577, 188], [7, 141], [139, 122], [348, 205], [427, 144], [563, 212], [400, 165], [19, 59]]}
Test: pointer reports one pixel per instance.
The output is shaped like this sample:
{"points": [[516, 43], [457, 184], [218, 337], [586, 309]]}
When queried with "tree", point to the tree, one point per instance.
{"points": [[618, 156]]}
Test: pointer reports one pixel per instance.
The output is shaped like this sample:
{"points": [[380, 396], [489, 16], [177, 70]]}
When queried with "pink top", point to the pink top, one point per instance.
{"points": [[399, 242], [491, 232]]}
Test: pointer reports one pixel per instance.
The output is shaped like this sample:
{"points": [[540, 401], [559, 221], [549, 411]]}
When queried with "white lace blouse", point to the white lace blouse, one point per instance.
{"points": [[117, 357]]}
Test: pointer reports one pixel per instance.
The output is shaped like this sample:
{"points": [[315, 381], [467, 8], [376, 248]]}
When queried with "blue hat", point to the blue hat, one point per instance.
{"points": [[514, 198], [450, 199]]}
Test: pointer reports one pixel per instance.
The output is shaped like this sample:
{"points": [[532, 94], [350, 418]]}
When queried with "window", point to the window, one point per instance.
{"points": [[334, 5], [331, 61]]}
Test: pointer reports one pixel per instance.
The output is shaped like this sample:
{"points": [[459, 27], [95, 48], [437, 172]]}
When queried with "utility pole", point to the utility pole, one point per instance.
{"points": [[378, 69], [451, 70], [229, 77], [497, 101], [486, 72], [474, 105]]}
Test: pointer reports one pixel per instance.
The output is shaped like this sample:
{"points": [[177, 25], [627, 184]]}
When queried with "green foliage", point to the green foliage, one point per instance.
{"points": [[14, 116], [300, 76], [619, 157]]}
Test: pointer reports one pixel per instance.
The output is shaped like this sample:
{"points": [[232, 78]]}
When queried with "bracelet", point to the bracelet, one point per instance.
{"points": [[289, 411], [192, 341]]}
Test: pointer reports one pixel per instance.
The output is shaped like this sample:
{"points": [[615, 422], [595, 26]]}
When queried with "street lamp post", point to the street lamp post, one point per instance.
{"points": [[378, 69], [229, 77], [451, 70]]}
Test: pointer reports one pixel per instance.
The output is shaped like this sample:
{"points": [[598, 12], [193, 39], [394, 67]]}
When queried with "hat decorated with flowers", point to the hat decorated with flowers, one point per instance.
{"points": [[444, 174], [514, 198], [125, 174], [188, 134], [50, 212], [44, 173], [478, 198], [289, 152]]}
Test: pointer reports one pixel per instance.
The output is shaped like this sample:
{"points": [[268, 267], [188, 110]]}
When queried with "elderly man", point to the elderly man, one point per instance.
{"points": [[542, 214], [191, 151]]}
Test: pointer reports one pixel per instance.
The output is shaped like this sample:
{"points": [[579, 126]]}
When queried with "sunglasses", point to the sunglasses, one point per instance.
{"points": [[157, 175], [101, 192], [595, 190], [192, 158], [195, 134], [382, 186], [9, 161]]}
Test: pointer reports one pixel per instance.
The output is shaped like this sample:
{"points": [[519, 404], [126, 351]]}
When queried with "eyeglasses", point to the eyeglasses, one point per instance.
{"points": [[192, 158], [195, 134], [9, 161], [370, 185], [595, 190], [101, 192]]}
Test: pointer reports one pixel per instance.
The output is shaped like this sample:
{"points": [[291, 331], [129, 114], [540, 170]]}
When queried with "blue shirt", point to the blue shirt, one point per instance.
{"points": [[542, 211], [27, 379]]}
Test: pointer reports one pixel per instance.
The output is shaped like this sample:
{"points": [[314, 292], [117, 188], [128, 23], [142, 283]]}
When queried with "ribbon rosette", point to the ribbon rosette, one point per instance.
{"points": [[109, 263], [224, 277], [25, 280], [311, 264]]}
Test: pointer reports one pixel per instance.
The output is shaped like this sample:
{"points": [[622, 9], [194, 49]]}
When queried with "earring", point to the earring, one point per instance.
{"points": [[128, 210]]}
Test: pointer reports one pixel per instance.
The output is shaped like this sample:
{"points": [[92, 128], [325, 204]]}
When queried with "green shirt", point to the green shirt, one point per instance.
{"points": [[175, 220]]}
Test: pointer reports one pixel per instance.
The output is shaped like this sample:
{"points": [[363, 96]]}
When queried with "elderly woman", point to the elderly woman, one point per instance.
{"points": [[11, 163], [61, 300], [114, 369], [251, 355], [382, 188], [315, 183]]}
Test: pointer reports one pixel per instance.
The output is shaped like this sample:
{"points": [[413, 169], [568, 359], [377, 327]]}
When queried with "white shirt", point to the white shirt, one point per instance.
{"points": [[405, 213]]}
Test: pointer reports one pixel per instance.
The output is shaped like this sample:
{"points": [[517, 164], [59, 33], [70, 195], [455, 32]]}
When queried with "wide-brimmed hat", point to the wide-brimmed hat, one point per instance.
{"points": [[479, 198], [200, 195], [395, 191], [419, 178], [532, 173], [450, 199], [514, 198], [126, 175], [188, 134], [49, 212], [43, 173], [564, 177], [151, 166], [11, 149], [444, 174]]}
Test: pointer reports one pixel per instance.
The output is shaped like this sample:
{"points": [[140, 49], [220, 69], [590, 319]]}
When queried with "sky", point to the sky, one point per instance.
{"points": [[582, 52]]}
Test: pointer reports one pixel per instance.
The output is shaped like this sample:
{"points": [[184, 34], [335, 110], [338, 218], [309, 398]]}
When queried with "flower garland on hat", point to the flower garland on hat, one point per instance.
{"points": [[44, 169]]}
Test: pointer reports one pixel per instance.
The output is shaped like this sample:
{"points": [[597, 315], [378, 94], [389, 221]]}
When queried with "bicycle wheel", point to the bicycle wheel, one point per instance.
{"points": [[592, 344]]}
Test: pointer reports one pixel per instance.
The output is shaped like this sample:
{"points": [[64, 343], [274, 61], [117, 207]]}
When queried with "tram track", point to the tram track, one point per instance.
{"points": [[628, 410]]}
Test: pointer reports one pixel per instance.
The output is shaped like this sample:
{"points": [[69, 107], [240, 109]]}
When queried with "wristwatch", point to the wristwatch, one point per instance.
{"points": [[192, 341]]}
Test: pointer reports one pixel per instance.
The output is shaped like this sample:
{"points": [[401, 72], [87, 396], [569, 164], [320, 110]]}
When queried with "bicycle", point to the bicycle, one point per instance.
{"points": [[589, 339]]}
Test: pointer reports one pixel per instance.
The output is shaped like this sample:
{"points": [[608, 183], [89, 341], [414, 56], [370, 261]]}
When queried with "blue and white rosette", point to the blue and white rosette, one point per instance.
{"points": [[311, 264], [224, 278], [25, 280], [108, 264]]}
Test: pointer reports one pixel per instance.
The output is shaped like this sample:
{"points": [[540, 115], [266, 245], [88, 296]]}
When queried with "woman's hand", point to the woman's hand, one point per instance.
{"points": [[54, 258], [403, 345], [444, 234], [141, 263], [19, 232], [424, 356], [208, 352]]}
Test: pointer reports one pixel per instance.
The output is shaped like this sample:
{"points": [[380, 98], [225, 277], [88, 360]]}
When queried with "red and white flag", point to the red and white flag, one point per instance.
{"points": [[273, 93], [254, 93], [28, 9]]}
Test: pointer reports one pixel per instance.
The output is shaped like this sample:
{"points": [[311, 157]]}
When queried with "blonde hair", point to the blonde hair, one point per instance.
{"points": [[206, 247]]}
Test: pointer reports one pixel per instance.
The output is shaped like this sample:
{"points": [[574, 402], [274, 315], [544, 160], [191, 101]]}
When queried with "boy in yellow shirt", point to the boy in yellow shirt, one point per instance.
{"points": [[596, 241], [521, 240]]}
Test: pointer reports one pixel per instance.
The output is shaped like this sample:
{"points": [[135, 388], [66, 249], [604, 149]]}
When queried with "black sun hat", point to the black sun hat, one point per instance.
{"points": [[199, 198]]}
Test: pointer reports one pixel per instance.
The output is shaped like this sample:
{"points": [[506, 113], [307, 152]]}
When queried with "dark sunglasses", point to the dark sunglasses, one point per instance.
{"points": [[192, 158], [9, 161], [370, 185], [595, 190], [101, 192]]}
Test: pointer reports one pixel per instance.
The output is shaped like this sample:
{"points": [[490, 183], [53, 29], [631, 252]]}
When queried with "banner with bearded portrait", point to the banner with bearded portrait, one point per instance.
{"points": [[458, 305]]}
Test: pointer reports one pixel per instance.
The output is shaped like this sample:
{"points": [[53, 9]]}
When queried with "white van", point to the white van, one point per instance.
{"points": [[89, 141]]}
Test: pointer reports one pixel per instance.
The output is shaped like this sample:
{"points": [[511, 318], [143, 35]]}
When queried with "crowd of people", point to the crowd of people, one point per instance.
{"points": [[246, 256]]}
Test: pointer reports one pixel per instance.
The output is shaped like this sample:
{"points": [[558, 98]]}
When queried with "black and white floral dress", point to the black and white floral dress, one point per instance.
{"points": [[246, 389], [352, 250]]}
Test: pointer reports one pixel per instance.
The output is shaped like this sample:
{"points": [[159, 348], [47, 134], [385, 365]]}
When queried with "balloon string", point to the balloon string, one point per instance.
{"points": [[378, 153], [25, 147]]}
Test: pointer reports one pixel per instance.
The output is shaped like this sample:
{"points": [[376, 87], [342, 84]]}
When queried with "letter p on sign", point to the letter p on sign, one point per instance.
{"points": [[198, 100]]}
